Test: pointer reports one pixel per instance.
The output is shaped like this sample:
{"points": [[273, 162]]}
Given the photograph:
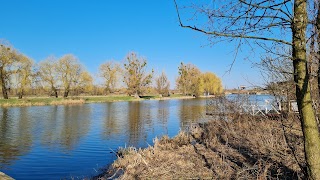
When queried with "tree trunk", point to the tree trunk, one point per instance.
{"points": [[301, 77], [66, 93], [136, 95], [3, 84], [55, 91], [20, 94]]}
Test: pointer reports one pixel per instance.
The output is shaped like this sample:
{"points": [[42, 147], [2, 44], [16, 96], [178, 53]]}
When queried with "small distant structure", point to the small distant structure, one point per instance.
{"points": [[293, 106], [242, 87], [223, 106]]}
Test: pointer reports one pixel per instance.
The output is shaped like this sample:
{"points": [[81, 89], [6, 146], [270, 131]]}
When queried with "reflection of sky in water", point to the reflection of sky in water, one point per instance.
{"points": [[64, 141]]}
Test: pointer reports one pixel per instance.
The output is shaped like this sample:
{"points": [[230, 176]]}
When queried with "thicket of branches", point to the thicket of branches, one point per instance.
{"points": [[293, 25]]}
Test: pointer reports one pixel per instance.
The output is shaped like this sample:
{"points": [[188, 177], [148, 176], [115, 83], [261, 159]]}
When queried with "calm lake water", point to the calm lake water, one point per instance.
{"points": [[54, 142]]}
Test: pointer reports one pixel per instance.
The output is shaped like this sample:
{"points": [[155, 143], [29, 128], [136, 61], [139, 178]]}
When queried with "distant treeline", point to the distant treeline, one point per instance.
{"points": [[64, 76]]}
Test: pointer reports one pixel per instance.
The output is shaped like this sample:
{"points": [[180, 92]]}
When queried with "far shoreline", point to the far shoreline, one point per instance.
{"points": [[77, 100]]}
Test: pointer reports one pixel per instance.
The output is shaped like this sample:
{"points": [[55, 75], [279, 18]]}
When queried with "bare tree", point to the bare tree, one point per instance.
{"points": [[23, 74], [7, 59], [69, 70], [84, 83], [135, 76], [110, 72], [277, 23], [189, 80], [49, 74], [162, 84]]}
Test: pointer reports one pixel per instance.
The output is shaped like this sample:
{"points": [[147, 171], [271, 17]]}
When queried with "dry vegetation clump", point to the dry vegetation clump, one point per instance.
{"points": [[14, 102], [167, 159], [68, 102], [244, 148], [17, 104], [22, 104], [254, 148]]}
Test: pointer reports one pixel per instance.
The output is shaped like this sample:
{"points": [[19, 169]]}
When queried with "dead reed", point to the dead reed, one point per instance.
{"points": [[68, 102]]}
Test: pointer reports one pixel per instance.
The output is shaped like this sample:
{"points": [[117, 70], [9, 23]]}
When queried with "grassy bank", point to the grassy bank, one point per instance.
{"points": [[40, 101], [244, 148]]}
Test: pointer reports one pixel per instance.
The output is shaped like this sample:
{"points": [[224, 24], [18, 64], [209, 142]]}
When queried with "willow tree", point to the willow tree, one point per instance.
{"points": [[23, 74], [48, 71], [162, 84], [278, 22], [211, 84], [7, 59], [84, 83], [69, 70], [110, 72]]}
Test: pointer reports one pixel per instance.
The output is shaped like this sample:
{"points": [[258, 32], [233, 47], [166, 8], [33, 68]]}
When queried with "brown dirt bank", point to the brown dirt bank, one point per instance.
{"points": [[244, 148]]}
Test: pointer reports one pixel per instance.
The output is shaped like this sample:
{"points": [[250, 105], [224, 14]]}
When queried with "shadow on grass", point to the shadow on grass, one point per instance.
{"points": [[148, 97]]}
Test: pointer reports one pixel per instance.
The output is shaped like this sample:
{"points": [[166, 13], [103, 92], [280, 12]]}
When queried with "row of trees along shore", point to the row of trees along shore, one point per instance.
{"points": [[20, 76]]}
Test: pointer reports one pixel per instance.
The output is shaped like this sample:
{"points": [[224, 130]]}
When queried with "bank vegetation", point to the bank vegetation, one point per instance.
{"points": [[245, 147]]}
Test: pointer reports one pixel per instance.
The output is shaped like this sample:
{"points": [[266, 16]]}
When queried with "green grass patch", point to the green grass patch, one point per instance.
{"points": [[176, 95], [91, 99]]}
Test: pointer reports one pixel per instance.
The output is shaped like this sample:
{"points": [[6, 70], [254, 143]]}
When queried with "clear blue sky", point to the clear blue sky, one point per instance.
{"points": [[101, 30]]}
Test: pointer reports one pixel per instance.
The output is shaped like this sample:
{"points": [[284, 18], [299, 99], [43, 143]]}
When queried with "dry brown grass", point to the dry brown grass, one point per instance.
{"points": [[167, 159], [68, 102], [253, 148], [244, 148], [17, 104], [22, 104], [40, 101]]}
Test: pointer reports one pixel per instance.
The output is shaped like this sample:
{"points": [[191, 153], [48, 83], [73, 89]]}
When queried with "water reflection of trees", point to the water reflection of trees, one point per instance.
{"points": [[191, 111], [15, 134], [62, 126], [75, 125], [145, 113], [163, 114], [141, 118], [66, 125], [52, 127], [135, 124], [113, 115]]}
